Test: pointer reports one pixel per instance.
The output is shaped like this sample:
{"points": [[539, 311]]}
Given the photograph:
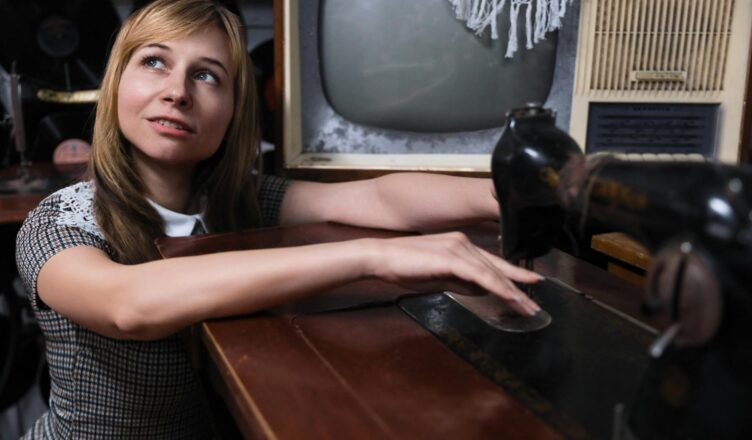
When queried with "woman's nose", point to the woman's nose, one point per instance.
{"points": [[177, 92]]}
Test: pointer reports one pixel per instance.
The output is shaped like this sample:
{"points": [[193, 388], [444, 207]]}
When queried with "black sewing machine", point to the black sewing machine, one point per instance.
{"points": [[696, 219], [590, 371]]}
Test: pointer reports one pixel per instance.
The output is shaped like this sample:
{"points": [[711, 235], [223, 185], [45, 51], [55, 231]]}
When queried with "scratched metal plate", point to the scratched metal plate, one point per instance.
{"points": [[571, 373]]}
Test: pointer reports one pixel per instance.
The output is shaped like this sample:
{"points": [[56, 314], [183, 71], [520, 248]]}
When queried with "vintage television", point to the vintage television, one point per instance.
{"points": [[405, 85], [395, 85]]}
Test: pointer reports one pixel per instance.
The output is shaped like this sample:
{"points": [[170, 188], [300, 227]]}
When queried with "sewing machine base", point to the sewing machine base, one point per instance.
{"points": [[572, 374]]}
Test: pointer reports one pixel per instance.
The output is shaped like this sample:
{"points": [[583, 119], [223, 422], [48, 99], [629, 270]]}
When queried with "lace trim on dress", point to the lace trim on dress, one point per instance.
{"points": [[76, 208]]}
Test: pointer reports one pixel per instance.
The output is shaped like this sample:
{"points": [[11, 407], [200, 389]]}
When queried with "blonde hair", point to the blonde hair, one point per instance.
{"points": [[127, 220]]}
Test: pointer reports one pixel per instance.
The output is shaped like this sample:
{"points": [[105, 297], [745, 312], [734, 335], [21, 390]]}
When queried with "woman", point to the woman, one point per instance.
{"points": [[173, 153]]}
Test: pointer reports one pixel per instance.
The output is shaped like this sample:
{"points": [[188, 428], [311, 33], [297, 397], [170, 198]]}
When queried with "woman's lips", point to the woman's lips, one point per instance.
{"points": [[170, 127]]}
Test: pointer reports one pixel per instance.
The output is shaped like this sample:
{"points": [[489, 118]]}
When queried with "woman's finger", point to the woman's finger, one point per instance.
{"points": [[478, 270], [493, 273], [453, 256], [516, 273]]}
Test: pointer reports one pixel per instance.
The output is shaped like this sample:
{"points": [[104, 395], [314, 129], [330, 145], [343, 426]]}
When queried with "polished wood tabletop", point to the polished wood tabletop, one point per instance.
{"points": [[348, 363], [15, 206]]}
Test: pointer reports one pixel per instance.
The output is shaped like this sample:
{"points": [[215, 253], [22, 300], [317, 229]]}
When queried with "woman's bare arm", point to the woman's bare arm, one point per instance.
{"points": [[155, 299], [398, 201]]}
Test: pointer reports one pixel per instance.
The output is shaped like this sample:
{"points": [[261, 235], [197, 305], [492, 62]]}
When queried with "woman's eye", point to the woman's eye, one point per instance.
{"points": [[153, 62], [208, 77]]}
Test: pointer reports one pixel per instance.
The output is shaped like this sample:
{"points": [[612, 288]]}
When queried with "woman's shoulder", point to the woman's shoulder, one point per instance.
{"points": [[71, 206]]}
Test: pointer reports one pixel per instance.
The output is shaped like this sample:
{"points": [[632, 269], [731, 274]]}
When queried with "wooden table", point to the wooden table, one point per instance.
{"points": [[305, 371], [14, 207]]}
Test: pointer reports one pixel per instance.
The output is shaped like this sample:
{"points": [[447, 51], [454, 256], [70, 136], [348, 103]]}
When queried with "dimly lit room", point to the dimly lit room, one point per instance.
{"points": [[356, 219]]}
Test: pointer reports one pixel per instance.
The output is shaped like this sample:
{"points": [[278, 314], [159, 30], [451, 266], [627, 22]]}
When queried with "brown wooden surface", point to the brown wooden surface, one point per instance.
{"points": [[15, 207], [623, 248], [626, 272], [305, 370]]}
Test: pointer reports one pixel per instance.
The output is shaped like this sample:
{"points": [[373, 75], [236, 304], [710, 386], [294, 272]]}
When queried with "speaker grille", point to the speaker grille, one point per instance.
{"points": [[660, 45], [652, 128]]}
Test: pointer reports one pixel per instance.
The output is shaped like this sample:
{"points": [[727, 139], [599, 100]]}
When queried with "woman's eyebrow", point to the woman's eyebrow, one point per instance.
{"points": [[217, 63], [209, 60]]}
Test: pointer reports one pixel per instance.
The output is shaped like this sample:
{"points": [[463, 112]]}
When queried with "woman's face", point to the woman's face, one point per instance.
{"points": [[175, 98]]}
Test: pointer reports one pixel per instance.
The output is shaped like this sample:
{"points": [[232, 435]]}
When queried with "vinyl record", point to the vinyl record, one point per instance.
{"points": [[56, 128], [61, 45]]}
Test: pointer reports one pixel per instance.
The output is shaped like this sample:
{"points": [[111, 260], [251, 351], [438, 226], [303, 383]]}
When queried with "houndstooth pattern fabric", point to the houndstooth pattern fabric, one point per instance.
{"points": [[271, 193], [104, 388]]}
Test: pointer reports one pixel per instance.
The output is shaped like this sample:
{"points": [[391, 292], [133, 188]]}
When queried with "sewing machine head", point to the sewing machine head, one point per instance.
{"points": [[696, 219], [523, 168]]}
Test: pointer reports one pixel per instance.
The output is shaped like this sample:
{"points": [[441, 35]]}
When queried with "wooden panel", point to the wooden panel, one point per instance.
{"points": [[627, 273], [623, 248], [15, 207], [277, 388]]}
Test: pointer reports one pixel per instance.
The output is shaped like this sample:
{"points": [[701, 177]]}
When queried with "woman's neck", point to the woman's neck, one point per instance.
{"points": [[168, 186]]}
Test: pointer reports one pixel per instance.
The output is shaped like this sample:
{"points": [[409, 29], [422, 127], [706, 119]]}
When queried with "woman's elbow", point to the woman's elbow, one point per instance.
{"points": [[132, 321], [126, 324]]}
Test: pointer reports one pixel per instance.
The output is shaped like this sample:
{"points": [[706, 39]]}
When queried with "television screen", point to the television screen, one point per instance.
{"points": [[396, 77]]}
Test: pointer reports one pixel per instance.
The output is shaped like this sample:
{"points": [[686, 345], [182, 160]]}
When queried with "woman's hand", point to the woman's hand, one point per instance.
{"points": [[450, 262]]}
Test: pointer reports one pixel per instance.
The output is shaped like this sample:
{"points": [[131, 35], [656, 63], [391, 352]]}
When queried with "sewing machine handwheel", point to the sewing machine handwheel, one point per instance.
{"points": [[682, 282]]}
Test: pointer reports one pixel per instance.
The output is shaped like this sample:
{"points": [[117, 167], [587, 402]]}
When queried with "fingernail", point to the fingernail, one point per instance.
{"points": [[541, 278]]}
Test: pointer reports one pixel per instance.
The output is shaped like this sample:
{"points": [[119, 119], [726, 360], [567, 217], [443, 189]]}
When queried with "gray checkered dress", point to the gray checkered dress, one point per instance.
{"points": [[104, 388]]}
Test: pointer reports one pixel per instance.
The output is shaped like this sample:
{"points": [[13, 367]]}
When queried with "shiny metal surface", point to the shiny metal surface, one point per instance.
{"points": [[494, 312]]}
